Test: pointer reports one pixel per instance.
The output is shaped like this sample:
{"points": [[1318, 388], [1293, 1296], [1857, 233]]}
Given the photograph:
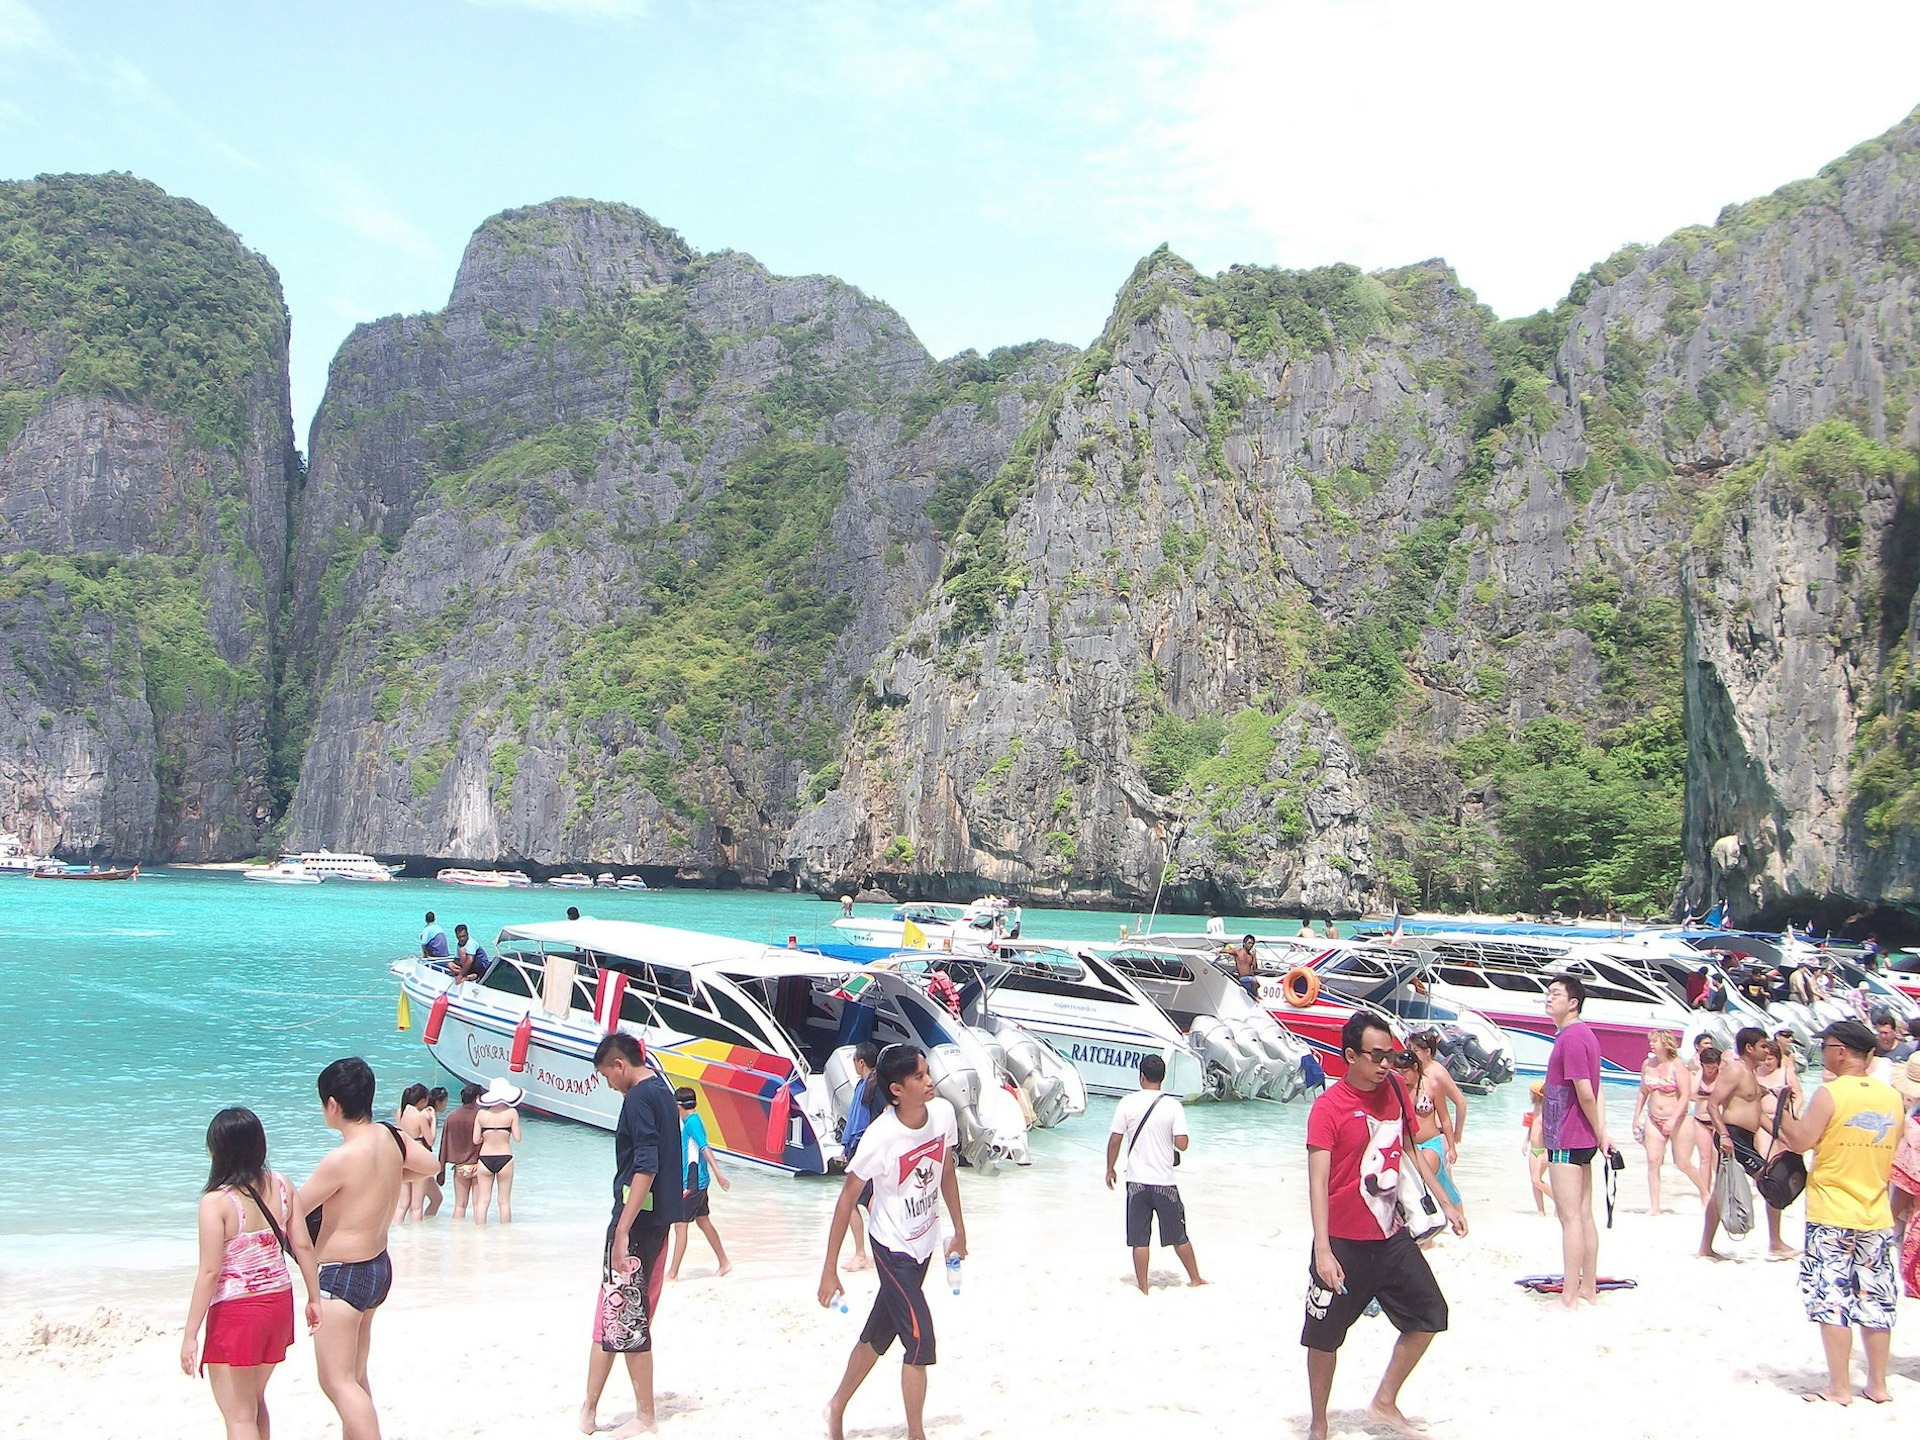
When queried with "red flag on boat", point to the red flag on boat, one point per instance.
{"points": [[607, 996], [777, 1114]]}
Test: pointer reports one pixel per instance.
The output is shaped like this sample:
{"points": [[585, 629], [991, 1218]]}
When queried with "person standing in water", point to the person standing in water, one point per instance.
{"points": [[242, 1291], [1574, 1120], [700, 1169], [459, 1150], [646, 1207], [496, 1132], [358, 1184], [1153, 1127], [415, 1121], [908, 1155]]}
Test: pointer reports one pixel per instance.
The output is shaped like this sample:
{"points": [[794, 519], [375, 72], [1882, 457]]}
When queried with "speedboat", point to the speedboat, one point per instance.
{"points": [[605, 880], [631, 882], [1248, 1051], [928, 925], [484, 879], [1314, 1008], [284, 871], [16, 859], [341, 865], [571, 882], [1100, 1020], [1504, 977], [763, 1036]]}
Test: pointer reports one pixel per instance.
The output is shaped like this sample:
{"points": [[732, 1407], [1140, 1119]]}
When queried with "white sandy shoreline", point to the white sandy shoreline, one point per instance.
{"points": [[486, 1333]]}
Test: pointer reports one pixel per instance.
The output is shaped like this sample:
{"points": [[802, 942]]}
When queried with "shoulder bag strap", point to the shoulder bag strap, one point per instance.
{"points": [[267, 1215], [1779, 1114], [1134, 1139]]}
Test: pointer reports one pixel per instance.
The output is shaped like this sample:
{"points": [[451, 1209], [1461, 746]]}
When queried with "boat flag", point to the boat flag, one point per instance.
{"points": [[1716, 916], [912, 937], [403, 1020], [1396, 935], [607, 995]]}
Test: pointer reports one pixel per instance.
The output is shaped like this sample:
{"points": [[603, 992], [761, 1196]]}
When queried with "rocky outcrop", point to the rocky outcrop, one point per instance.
{"points": [[145, 458], [592, 560]]}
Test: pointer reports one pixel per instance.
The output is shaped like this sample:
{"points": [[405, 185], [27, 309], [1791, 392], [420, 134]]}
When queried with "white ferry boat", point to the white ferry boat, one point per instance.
{"points": [[339, 865]]}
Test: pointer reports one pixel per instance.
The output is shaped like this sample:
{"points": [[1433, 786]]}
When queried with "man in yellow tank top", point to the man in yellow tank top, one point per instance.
{"points": [[1848, 1271]]}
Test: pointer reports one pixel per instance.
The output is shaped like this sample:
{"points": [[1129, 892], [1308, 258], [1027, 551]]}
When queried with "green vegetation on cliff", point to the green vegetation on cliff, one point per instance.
{"points": [[128, 292]]}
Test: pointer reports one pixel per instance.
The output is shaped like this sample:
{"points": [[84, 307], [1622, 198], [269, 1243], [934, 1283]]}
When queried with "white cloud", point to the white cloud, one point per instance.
{"points": [[22, 31], [347, 198]]}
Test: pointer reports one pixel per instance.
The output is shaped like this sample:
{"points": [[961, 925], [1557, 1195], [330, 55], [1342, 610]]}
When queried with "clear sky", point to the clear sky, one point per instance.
{"points": [[990, 168]]}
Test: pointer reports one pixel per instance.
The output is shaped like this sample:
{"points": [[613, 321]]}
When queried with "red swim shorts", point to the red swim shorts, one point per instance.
{"points": [[250, 1330]]}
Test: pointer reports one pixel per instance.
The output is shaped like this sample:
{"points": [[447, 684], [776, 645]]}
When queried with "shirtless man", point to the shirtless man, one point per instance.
{"points": [[358, 1185], [1246, 964], [1733, 1109]]}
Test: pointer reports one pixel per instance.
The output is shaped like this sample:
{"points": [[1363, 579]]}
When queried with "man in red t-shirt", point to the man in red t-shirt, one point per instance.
{"points": [[1356, 1138]]}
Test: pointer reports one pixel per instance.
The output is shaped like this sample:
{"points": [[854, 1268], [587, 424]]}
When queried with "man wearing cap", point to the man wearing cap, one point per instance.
{"points": [[1849, 1273]]}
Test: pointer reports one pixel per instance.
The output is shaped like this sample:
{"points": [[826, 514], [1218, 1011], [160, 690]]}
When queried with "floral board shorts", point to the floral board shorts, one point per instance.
{"points": [[1849, 1277]]}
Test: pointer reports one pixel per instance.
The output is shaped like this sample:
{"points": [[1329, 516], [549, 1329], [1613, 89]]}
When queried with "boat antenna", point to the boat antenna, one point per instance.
{"points": [[1159, 889]]}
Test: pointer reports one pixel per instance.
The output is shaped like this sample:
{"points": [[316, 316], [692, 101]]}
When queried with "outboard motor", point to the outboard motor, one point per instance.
{"points": [[841, 1083], [959, 1084], [1026, 1067], [1223, 1053]]}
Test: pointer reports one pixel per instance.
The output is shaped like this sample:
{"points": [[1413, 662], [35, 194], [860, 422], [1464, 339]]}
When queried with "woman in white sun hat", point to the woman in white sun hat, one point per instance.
{"points": [[497, 1129]]}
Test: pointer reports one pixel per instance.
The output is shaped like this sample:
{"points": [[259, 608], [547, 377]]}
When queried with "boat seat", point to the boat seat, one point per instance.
{"points": [[856, 1024]]}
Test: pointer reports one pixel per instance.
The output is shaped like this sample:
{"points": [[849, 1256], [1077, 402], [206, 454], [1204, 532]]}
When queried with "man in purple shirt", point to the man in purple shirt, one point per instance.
{"points": [[1573, 1122]]}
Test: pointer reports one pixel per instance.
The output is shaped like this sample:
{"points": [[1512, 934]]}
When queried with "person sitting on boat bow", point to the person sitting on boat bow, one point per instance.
{"points": [[471, 959]]}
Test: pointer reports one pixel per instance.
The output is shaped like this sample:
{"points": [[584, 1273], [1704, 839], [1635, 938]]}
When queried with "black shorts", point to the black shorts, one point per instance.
{"points": [[1582, 1156], [694, 1205], [1394, 1272], [363, 1284], [900, 1309], [1746, 1149], [1147, 1202]]}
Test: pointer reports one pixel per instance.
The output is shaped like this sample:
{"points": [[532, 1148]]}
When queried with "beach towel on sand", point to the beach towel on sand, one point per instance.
{"points": [[1554, 1284]]}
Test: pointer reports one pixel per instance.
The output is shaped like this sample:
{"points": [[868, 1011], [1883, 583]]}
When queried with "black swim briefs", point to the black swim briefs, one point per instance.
{"points": [[1393, 1271], [363, 1284]]}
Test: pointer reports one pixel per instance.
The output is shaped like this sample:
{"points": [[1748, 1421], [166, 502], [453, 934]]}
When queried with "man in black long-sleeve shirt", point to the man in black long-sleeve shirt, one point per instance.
{"points": [[646, 1146]]}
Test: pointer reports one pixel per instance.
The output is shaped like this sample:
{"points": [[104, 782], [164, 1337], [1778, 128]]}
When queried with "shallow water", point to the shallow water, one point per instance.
{"points": [[133, 1012]]}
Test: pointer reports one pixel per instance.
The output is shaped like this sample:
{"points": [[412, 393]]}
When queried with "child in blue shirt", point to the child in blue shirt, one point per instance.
{"points": [[701, 1169]]}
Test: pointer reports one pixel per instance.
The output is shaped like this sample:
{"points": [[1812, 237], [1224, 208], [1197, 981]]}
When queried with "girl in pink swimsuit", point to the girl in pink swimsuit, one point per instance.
{"points": [[1660, 1112], [242, 1292]]}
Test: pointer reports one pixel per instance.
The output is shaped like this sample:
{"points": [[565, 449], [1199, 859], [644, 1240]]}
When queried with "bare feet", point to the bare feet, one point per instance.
{"points": [[860, 1262], [589, 1422], [1389, 1415], [832, 1416], [637, 1426], [1879, 1397], [1783, 1251], [726, 1269], [1816, 1396], [1196, 1282], [1709, 1253]]}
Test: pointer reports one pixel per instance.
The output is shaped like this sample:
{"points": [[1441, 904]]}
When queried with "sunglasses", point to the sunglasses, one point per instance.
{"points": [[1378, 1057]]}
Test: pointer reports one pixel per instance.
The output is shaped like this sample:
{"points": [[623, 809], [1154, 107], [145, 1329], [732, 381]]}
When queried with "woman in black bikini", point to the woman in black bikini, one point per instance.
{"points": [[415, 1120], [497, 1129]]}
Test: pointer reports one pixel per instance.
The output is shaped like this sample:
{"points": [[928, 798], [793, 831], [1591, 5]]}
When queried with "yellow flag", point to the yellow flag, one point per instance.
{"points": [[404, 1019], [912, 936]]}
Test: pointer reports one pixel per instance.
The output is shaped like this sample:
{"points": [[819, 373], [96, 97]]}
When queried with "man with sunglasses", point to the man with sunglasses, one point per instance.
{"points": [[1357, 1141]]}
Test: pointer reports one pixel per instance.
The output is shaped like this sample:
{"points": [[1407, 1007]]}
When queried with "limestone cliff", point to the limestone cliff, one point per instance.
{"points": [[1307, 580], [590, 561], [146, 451]]}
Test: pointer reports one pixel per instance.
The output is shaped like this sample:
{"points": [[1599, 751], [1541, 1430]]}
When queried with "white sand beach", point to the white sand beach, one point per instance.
{"points": [[486, 1333]]}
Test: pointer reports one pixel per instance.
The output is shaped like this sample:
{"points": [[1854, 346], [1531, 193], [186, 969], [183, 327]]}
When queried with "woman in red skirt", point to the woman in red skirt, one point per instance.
{"points": [[242, 1291]]}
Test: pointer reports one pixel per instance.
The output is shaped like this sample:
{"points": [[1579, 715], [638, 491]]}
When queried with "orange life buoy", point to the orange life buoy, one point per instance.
{"points": [[1301, 988], [436, 1017]]}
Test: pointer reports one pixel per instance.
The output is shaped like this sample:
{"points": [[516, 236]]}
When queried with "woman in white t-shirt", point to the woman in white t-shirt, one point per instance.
{"points": [[907, 1158]]}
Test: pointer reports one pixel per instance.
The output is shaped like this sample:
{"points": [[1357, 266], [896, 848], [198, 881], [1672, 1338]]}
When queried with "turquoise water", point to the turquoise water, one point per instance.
{"points": [[134, 1011]]}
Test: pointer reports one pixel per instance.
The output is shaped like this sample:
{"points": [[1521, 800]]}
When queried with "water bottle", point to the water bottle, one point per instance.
{"points": [[953, 1273], [839, 1302]]}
